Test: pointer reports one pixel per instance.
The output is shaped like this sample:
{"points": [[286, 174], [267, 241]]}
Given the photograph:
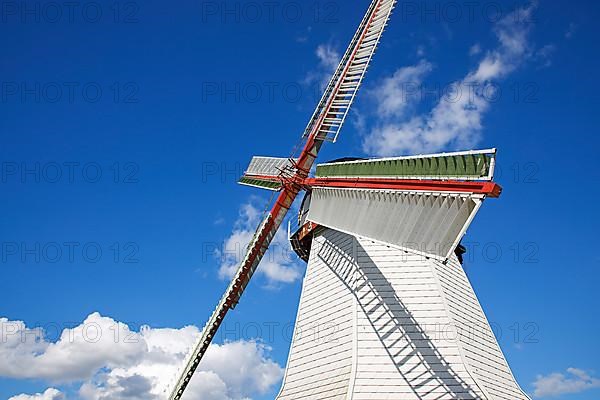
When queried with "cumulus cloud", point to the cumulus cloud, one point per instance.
{"points": [[328, 56], [279, 265], [50, 394], [574, 381], [396, 93], [112, 362], [475, 49], [544, 55], [77, 354], [456, 120], [328, 59]]}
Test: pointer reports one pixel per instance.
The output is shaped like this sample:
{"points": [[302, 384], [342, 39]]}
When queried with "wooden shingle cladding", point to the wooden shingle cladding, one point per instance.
{"points": [[396, 326]]}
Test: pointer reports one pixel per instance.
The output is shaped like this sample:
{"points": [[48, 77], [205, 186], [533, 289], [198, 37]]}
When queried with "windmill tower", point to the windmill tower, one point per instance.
{"points": [[381, 238], [386, 310]]}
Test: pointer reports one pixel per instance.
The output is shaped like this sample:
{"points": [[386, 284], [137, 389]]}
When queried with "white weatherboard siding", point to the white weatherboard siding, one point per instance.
{"points": [[393, 325], [320, 360], [475, 335]]}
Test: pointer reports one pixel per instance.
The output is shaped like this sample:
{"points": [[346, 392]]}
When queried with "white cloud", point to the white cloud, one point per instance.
{"points": [[556, 384], [544, 55], [243, 367], [279, 265], [475, 49], [396, 93], [305, 35], [329, 58], [116, 363], [77, 354], [456, 120], [50, 394]]}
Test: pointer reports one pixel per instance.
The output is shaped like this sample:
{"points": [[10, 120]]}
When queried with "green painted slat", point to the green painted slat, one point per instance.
{"points": [[460, 164], [469, 165], [260, 183], [443, 166]]}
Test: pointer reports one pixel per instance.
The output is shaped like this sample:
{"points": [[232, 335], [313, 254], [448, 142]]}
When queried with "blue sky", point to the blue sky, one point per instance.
{"points": [[125, 125]]}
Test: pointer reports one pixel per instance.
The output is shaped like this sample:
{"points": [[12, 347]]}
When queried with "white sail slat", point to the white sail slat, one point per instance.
{"points": [[427, 223], [346, 81]]}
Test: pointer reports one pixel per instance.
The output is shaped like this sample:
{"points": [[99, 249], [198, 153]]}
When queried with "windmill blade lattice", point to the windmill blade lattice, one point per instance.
{"points": [[324, 125]]}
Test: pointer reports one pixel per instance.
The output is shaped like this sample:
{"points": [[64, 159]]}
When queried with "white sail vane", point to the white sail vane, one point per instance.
{"points": [[325, 124], [427, 223], [333, 108], [257, 247]]}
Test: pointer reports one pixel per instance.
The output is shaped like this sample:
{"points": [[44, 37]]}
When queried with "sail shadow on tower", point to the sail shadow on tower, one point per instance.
{"points": [[386, 310]]}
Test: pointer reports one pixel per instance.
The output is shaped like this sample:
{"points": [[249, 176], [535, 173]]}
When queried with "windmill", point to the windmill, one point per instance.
{"points": [[365, 228]]}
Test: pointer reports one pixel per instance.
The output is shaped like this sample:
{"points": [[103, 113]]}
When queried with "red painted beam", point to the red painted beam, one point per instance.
{"points": [[490, 189], [308, 155]]}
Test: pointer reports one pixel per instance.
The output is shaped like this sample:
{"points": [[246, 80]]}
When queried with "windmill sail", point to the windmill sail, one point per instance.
{"points": [[324, 125], [264, 172], [464, 165], [256, 249], [428, 219], [430, 224], [333, 108]]}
